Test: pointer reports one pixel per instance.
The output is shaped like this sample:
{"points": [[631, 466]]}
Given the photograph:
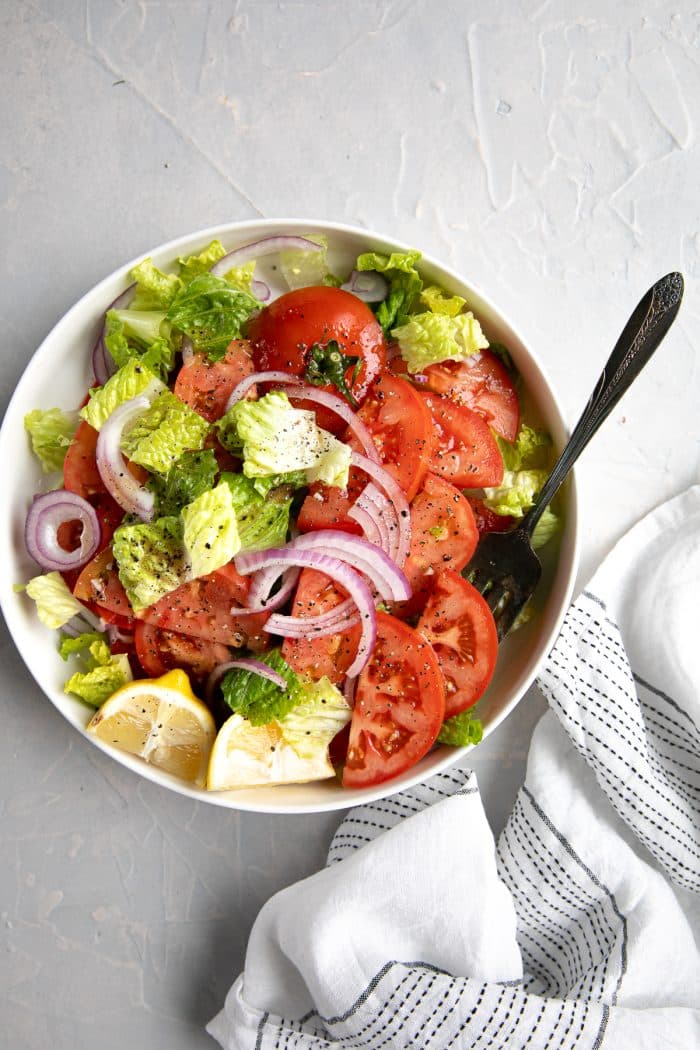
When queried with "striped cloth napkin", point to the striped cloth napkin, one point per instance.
{"points": [[581, 926]]}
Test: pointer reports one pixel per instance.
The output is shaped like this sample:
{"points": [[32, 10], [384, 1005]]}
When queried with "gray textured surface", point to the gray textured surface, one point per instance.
{"points": [[550, 156]]}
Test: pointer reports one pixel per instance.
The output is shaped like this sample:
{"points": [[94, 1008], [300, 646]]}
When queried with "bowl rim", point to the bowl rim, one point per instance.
{"points": [[344, 799]]}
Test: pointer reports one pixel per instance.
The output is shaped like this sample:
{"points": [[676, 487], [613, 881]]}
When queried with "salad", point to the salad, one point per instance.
{"points": [[255, 525]]}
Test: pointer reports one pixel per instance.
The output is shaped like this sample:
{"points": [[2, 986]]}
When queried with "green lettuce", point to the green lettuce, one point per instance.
{"points": [[69, 645], [277, 439], [50, 432], [262, 523], [55, 605], [546, 528], [132, 379], [163, 432], [292, 479], [151, 559], [302, 267], [320, 713], [516, 493], [439, 302], [191, 475], [461, 730], [154, 288], [258, 699], [192, 266], [241, 276], [405, 284], [158, 355], [211, 313], [427, 338], [210, 531], [141, 326], [105, 674], [531, 449], [526, 462]]}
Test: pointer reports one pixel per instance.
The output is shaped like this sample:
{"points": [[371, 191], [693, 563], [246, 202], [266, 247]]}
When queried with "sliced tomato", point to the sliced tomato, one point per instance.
{"points": [[109, 515], [159, 651], [460, 627], [206, 385], [402, 428], [399, 706], [99, 584], [284, 332], [466, 452], [482, 384], [487, 520], [202, 609], [443, 533], [80, 473], [330, 656]]}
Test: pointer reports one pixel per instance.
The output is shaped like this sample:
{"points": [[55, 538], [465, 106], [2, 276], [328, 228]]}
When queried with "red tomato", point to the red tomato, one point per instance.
{"points": [[80, 473], [109, 515], [482, 384], [402, 428], [487, 520], [443, 532], [98, 583], [159, 651], [330, 656], [460, 627], [206, 386], [284, 332], [466, 452], [202, 609], [399, 706]]}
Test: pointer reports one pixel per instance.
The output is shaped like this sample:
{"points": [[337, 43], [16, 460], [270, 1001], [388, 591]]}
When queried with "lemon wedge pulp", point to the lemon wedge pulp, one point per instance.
{"points": [[245, 755], [161, 721]]}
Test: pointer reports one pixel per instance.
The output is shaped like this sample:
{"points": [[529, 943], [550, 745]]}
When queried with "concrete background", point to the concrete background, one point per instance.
{"points": [[549, 155]]}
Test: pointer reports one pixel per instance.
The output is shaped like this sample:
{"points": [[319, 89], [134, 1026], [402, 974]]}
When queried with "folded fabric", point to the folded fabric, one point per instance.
{"points": [[581, 928]]}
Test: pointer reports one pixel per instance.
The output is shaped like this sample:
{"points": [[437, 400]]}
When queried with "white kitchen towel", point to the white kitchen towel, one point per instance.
{"points": [[581, 927]]}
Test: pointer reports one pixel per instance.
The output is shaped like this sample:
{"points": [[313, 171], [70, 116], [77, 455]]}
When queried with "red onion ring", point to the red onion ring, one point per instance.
{"points": [[349, 690], [261, 585], [103, 364], [389, 580], [242, 388], [341, 408], [370, 525], [46, 514], [338, 571], [319, 626], [368, 285], [260, 290], [265, 246], [116, 476], [396, 496]]}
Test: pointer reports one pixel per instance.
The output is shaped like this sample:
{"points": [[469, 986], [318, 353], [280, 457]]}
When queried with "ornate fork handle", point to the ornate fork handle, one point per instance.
{"points": [[639, 339]]}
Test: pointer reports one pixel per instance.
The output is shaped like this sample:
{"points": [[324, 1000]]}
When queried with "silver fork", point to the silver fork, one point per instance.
{"points": [[505, 568]]}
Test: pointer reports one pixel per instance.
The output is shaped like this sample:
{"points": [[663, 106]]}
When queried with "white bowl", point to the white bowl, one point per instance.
{"points": [[59, 374]]}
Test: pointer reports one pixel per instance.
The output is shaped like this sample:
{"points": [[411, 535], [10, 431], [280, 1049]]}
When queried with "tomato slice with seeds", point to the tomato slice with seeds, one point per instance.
{"points": [[466, 452], [206, 385], [460, 627], [399, 706], [481, 383], [98, 584], [487, 520], [316, 593], [159, 651]]}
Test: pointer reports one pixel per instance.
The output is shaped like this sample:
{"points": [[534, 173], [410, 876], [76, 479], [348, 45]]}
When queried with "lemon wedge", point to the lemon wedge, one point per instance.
{"points": [[245, 755], [161, 721]]}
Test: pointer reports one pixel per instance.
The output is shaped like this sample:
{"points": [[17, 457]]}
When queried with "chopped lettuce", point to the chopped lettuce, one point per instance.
{"points": [[405, 284], [427, 338], [530, 449], [546, 528], [241, 276], [163, 432], [277, 438], [320, 713], [69, 645], [192, 266], [151, 559], [104, 675], [55, 605], [211, 313], [130, 381], [210, 531], [155, 290], [50, 432], [191, 475], [292, 479], [156, 354], [258, 699], [516, 493], [304, 267], [526, 462], [262, 523], [439, 302], [142, 326], [461, 730]]}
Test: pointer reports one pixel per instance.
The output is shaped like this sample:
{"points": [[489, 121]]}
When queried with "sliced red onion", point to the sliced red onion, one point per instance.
{"points": [[349, 690], [369, 525], [389, 580], [46, 514], [368, 285], [187, 352], [397, 497], [341, 408], [129, 493], [259, 599], [242, 388], [318, 626], [102, 361], [383, 513], [265, 246], [260, 290], [338, 571]]}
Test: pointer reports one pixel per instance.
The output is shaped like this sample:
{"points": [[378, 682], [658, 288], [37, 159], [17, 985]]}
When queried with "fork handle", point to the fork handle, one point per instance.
{"points": [[640, 337]]}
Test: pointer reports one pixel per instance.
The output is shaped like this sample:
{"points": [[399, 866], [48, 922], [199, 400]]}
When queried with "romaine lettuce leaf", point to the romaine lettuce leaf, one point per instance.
{"points": [[262, 523], [292, 479], [241, 276], [130, 381], [439, 302], [320, 713], [257, 699], [192, 266], [191, 475], [70, 645], [427, 338], [210, 531], [546, 528], [516, 493], [531, 449], [151, 559], [154, 288], [163, 432], [461, 730], [55, 605], [141, 326], [157, 355], [104, 675], [405, 284], [50, 432], [211, 313]]}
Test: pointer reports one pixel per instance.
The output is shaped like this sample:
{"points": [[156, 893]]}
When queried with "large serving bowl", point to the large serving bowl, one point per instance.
{"points": [[59, 374]]}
